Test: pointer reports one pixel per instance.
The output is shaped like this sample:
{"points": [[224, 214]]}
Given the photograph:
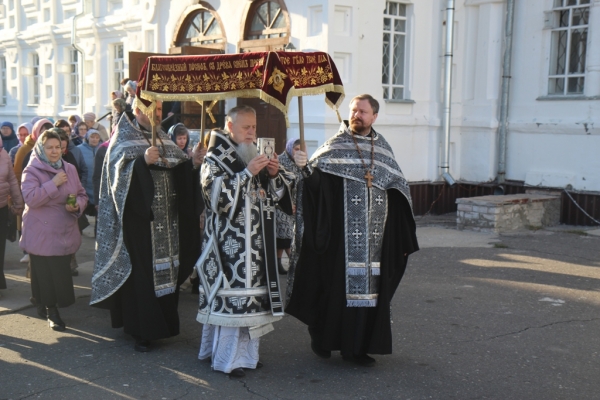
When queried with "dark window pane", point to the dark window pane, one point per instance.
{"points": [[385, 73], [385, 93], [578, 51], [556, 86], [558, 3], [213, 27], [279, 22], [393, 8], [402, 10], [274, 12], [387, 24], [400, 25], [584, 2], [571, 2], [398, 60], [398, 93], [575, 85], [559, 51], [580, 16], [259, 22], [564, 18]]}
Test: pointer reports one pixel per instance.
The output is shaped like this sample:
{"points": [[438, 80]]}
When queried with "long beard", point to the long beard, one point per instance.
{"points": [[246, 152]]}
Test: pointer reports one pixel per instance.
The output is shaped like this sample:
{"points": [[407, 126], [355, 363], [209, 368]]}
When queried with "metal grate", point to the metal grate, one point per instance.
{"points": [[569, 47], [394, 51]]}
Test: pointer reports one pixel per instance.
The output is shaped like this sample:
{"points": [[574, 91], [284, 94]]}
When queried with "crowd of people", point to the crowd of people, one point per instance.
{"points": [[220, 214]]}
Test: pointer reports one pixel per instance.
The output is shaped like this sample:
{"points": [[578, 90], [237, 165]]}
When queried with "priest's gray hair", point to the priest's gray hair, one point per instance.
{"points": [[233, 113]]}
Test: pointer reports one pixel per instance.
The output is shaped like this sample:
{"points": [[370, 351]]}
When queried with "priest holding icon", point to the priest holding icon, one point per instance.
{"points": [[240, 294]]}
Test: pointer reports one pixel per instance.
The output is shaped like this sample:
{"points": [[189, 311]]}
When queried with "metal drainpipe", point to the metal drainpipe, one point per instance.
{"points": [[506, 76], [445, 167], [80, 51]]}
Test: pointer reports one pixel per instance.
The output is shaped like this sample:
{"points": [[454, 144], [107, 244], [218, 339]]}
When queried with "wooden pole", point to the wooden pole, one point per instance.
{"points": [[202, 124], [154, 127], [301, 122]]}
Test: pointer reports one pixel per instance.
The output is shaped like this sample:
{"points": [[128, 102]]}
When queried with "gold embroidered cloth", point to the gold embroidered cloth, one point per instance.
{"points": [[274, 77]]}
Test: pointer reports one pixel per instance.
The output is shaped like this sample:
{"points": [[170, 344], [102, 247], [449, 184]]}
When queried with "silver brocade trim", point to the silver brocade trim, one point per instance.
{"points": [[165, 233], [365, 211]]}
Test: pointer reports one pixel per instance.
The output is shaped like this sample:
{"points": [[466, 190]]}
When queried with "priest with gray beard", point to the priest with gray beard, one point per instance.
{"points": [[240, 294]]}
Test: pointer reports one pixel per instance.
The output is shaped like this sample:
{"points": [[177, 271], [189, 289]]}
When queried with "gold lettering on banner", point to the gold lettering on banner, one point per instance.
{"points": [[223, 65], [256, 61], [285, 60], [198, 67], [240, 64], [298, 60], [322, 58], [170, 67], [311, 59], [211, 65]]}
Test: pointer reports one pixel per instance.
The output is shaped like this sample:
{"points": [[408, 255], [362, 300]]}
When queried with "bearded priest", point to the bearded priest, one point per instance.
{"points": [[240, 295], [358, 232]]}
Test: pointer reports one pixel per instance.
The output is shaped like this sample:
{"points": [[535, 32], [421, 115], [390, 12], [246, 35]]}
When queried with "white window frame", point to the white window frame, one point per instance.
{"points": [[3, 81], [395, 89], [73, 96], [36, 78], [566, 75], [117, 65]]}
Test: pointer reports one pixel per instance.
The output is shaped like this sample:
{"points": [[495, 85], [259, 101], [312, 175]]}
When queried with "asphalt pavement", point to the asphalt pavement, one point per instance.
{"points": [[477, 316]]}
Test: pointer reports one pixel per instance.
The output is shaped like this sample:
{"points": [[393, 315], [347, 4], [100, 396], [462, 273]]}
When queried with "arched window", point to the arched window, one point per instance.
{"points": [[200, 26], [267, 26]]}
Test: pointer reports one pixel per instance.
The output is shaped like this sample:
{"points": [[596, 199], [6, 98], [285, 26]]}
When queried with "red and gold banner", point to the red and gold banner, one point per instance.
{"points": [[274, 77]]}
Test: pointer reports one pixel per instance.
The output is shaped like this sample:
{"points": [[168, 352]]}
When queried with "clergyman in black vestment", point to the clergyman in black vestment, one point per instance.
{"points": [[148, 236], [358, 232]]}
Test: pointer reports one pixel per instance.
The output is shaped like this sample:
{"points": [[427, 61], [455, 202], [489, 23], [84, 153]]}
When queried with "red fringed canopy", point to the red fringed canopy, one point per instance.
{"points": [[274, 77]]}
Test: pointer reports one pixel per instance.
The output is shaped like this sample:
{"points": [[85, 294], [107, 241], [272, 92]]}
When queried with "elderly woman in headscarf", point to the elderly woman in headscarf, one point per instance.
{"points": [[9, 137], [9, 188], [130, 87], [119, 107], [23, 131], [54, 200], [88, 150], [74, 120], [40, 126], [286, 222]]}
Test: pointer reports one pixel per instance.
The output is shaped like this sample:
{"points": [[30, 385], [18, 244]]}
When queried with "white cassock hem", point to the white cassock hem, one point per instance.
{"points": [[229, 348]]}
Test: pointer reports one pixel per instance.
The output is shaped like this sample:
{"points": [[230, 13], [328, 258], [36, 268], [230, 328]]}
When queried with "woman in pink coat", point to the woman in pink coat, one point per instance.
{"points": [[8, 187], [50, 231]]}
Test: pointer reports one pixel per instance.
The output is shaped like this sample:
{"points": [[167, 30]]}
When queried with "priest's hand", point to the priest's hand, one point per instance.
{"points": [[300, 158], [273, 166], [198, 155], [151, 155], [257, 163]]}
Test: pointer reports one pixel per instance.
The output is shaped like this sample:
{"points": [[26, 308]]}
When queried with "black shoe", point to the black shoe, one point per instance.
{"points": [[74, 273], [360, 359], [41, 312], [195, 285], [237, 373], [143, 346], [280, 269], [318, 351], [54, 320], [259, 365]]}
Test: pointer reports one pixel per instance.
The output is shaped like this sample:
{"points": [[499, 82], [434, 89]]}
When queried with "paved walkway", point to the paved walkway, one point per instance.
{"points": [[477, 316]]}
